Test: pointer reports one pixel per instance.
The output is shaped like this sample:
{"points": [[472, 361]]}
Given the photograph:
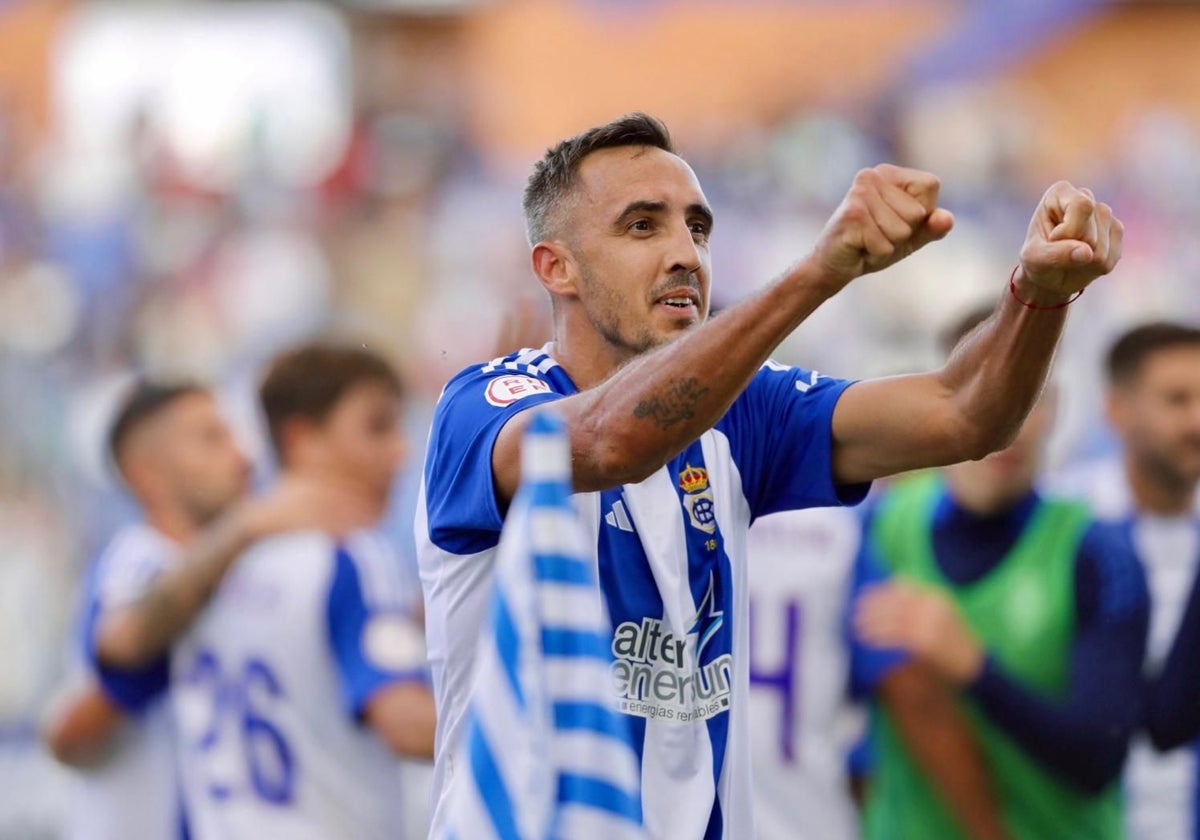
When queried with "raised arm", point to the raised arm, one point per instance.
{"points": [[627, 427], [976, 403]]}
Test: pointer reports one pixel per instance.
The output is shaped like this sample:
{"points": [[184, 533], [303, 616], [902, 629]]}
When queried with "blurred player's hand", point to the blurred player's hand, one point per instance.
{"points": [[923, 622], [1072, 240], [302, 504], [889, 213]]}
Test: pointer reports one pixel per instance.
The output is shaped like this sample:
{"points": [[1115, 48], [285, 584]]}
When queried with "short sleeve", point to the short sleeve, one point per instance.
{"points": [[460, 496], [119, 578], [374, 639], [868, 664], [781, 436]]}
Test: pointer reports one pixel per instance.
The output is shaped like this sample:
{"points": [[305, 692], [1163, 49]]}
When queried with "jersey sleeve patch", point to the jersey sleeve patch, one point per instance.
{"points": [[372, 647], [460, 497], [392, 642], [503, 391]]}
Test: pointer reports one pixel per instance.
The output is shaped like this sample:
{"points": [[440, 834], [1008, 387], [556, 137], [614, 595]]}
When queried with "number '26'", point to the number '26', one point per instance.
{"points": [[241, 697]]}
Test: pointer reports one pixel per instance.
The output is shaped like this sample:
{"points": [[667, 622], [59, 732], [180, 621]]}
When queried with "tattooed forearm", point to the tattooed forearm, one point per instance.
{"points": [[674, 406], [135, 635]]}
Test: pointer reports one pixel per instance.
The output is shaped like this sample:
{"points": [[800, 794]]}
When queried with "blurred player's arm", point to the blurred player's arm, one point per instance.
{"points": [[976, 403], [628, 426], [404, 717], [933, 729], [1082, 736], [380, 652], [81, 726], [136, 635], [924, 709]]}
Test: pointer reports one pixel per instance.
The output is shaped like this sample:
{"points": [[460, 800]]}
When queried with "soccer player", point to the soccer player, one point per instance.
{"points": [[805, 573], [1153, 404], [1038, 614], [305, 675], [178, 459], [682, 432]]}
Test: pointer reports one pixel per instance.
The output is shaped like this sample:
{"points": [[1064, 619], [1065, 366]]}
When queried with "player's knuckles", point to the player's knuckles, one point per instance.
{"points": [[925, 187], [1116, 246], [854, 212], [1058, 192], [1083, 203], [866, 179]]}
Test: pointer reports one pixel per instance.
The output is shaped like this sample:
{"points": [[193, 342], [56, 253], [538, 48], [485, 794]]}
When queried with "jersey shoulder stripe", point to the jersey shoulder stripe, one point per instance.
{"points": [[533, 362]]}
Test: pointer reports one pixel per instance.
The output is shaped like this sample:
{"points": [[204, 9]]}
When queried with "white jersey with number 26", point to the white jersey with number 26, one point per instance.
{"points": [[270, 685]]}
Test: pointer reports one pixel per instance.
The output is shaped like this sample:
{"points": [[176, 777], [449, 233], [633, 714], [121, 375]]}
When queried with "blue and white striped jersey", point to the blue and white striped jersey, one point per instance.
{"points": [[134, 794], [670, 555], [269, 688]]}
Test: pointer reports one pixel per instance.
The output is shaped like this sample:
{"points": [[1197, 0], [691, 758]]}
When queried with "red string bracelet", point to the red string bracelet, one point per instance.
{"points": [[1012, 287]]}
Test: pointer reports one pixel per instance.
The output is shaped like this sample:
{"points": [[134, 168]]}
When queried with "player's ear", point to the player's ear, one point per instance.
{"points": [[1114, 407], [141, 477], [552, 264], [297, 438]]}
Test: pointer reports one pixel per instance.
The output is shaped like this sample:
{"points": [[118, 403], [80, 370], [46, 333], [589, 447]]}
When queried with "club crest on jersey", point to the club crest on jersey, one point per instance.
{"points": [[503, 391], [698, 498]]}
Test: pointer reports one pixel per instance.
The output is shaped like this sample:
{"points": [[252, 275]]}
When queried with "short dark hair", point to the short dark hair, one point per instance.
{"points": [[146, 399], [308, 381], [962, 326], [555, 175], [1130, 351]]}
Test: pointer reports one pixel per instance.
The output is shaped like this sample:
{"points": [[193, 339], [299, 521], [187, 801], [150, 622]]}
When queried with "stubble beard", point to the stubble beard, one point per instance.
{"points": [[605, 313], [1165, 470]]}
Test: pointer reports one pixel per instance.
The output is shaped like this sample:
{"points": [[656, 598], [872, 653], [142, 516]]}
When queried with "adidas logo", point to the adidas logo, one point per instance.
{"points": [[618, 517]]}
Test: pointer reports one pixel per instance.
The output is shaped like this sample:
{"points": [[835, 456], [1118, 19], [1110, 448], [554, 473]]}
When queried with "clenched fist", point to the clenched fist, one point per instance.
{"points": [[889, 213], [1072, 240]]}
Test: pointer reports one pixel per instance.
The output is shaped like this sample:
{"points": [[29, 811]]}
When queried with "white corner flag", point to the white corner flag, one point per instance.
{"points": [[545, 756]]}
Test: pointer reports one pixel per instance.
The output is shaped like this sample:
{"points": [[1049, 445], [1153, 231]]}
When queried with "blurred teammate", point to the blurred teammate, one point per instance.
{"points": [[803, 580], [682, 433], [176, 456], [1154, 407], [286, 654], [1038, 614], [305, 675]]}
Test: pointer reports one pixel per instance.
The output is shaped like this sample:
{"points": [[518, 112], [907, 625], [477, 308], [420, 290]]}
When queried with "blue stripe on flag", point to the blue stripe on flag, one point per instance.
{"points": [[492, 789], [558, 568], [591, 716], [600, 795], [575, 643], [508, 641]]}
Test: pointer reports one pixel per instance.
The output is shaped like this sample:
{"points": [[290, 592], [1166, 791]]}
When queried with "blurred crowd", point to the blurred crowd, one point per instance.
{"points": [[138, 237]]}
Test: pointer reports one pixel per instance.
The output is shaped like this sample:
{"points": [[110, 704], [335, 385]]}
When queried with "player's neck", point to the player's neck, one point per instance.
{"points": [[1155, 492], [586, 356], [981, 499], [172, 524]]}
